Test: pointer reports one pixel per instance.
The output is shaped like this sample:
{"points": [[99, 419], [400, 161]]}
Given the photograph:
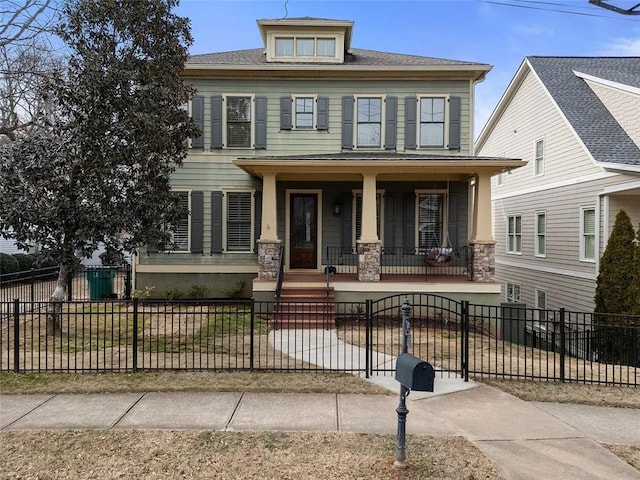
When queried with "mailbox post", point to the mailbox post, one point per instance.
{"points": [[413, 374], [402, 411]]}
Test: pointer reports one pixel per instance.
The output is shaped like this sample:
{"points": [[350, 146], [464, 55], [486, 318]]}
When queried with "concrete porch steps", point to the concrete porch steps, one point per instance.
{"points": [[305, 307]]}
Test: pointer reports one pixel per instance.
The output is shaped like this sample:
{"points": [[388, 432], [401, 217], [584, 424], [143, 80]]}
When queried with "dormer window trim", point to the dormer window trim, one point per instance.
{"points": [[294, 47]]}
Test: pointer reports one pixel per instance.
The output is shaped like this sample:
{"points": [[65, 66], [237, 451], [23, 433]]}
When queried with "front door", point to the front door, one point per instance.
{"points": [[304, 230]]}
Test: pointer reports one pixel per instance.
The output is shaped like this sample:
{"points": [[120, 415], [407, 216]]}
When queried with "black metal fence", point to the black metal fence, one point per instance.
{"points": [[457, 338], [86, 283]]}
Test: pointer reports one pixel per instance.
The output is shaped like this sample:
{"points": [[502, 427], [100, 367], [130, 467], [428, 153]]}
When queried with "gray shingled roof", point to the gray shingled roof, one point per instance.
{"points": [[358, 57], [378, 156], [592, 121]]}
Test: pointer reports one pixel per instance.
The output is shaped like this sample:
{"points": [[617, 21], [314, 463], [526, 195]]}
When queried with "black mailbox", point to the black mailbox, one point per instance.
{"points": [[414, 373]]}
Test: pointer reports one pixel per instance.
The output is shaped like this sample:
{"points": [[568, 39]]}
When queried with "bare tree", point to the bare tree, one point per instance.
{"points": [[26, 73], [22, 21]]}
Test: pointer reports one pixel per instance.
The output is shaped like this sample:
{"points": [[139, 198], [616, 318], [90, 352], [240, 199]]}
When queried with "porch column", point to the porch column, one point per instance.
{"points": [[482, 246], [369, 247], [269, 244]]}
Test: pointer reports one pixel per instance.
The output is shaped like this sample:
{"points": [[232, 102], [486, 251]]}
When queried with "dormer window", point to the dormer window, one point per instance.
{"points": [[291, 48], [306, 40]]}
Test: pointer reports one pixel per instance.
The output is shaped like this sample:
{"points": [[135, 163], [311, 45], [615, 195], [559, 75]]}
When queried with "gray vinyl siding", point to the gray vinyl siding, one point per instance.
{"points": [[571, 181]]}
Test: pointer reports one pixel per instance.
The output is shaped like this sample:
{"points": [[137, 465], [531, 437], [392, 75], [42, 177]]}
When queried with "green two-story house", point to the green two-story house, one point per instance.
{"points": [[322, 162]]}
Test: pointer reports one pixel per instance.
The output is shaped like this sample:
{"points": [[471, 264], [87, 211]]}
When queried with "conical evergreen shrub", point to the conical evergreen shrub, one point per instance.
{"points": [[617, 337]]}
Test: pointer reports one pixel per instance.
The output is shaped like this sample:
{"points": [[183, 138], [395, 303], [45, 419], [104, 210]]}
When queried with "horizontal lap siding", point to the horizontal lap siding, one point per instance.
{"points": [[562, 291], [302, 141]]}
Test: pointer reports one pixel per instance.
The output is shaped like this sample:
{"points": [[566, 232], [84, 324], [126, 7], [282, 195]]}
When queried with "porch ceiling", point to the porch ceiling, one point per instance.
{"points": [[386, 166]]}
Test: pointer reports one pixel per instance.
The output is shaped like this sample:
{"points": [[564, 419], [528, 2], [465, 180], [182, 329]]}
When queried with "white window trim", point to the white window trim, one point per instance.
{"points": [[445, 214], [537, 253], [514, 252], [506, 292], [356, 192], [445, 133], [582, 256], [535, 157], [383, 100], [188, 192], [314, 121], [225, 219], [538, 309], [252, 139], [337, 37]]}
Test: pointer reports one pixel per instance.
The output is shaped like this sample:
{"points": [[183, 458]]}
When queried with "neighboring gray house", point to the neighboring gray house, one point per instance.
{"points": [[577, 122]]}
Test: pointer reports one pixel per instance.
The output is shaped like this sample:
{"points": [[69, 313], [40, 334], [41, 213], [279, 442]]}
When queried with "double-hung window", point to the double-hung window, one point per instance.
{"points": [[431, 213], [539, 158], [514, 234], [539, 314], [432, 122], [369, 122], [588, 234], [180, 231], [239, 221], [304, 112], [541, 234], [512, 291], [238, 121]]}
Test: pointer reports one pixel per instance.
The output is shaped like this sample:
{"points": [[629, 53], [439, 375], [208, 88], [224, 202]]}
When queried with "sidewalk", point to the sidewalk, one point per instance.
{"points": [[523, 440]]}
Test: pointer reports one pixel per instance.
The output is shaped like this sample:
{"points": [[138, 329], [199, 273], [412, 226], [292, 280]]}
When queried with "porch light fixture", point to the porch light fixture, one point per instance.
{"points": [[337, 208]]}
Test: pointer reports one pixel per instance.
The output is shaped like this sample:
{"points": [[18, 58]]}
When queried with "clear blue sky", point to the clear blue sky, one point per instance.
{"points": [[500, 33]]}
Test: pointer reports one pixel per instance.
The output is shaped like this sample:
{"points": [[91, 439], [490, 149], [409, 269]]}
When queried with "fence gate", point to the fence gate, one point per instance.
{"points": [[439, 333]]}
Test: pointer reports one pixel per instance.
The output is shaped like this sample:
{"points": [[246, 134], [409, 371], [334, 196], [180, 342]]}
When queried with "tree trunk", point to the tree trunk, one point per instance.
{"points": [[54, 311]]}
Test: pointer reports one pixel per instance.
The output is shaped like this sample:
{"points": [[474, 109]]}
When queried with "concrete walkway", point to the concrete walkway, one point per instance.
{"points": [[524, 440]]}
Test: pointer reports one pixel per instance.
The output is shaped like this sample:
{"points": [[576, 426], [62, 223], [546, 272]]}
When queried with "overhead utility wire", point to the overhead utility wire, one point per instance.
{"points": [[568, 12]]}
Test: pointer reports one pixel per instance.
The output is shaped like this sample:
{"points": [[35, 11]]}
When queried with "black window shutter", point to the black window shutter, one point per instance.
{"points": [[389, 220], [286, 122], [455, 113], [197, 114], [197, 222], [216, 122], [323, 113], [391, 113], [347, 123], [261, 123], [409, 231], [347, 231], [216, 222], [410, 122], [257, 218]]}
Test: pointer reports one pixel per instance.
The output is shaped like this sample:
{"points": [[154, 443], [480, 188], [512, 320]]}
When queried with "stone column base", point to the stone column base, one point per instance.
{"points": [[268, 259], [482, 261], [369, 261]]}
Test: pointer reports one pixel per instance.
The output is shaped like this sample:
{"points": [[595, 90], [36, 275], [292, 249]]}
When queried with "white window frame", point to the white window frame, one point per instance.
{"points": [[538, 160], [379, 216], [515, 234], [314, 113], [356, 124], [539, 306], [510, 289], [445, 129], [225, 219], [187, 192], [252, 121], [294, 36], [445, 215], [540, 235], [583, 244]]}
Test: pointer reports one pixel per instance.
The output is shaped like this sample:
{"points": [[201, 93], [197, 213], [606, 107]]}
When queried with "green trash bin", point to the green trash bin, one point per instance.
{"points": [[100, 280]]}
